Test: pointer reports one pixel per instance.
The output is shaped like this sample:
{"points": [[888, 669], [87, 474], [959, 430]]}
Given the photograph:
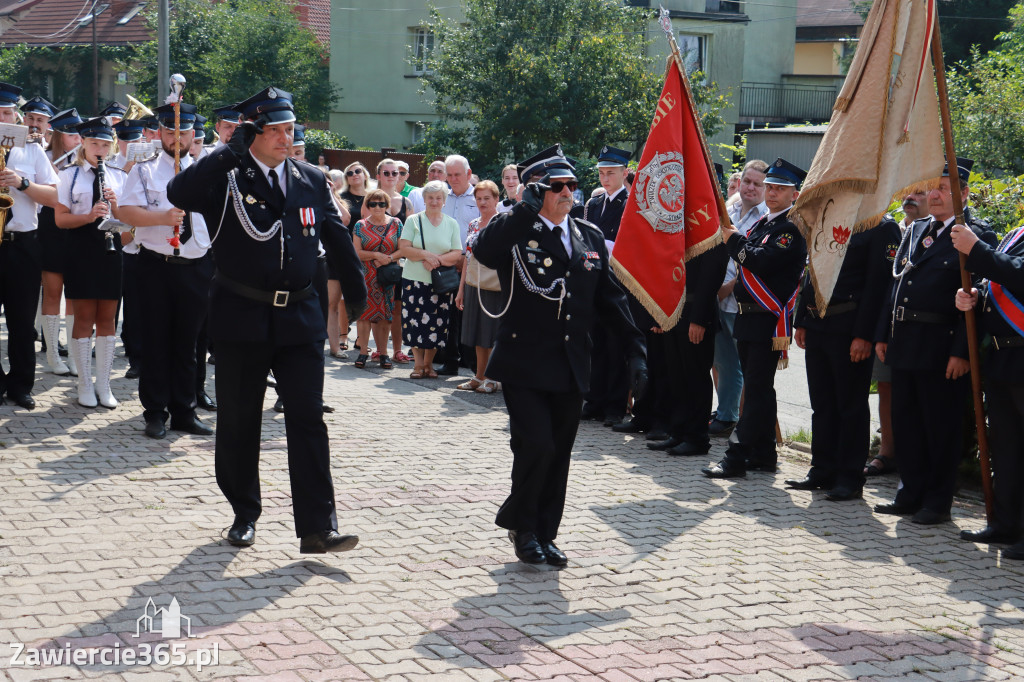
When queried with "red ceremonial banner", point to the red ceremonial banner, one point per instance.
{"points": [[671, 214]]}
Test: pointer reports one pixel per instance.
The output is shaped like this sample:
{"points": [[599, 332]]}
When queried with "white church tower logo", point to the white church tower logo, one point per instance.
{"points": [[166, 622]]}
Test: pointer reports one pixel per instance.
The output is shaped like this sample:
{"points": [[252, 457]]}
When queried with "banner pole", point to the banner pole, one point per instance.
{"points": [[965, 279]]}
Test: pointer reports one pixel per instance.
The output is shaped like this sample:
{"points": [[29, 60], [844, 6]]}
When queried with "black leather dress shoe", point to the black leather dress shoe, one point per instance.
{"points": [[930, 517], [193, 426], [23, 400], [894, 509], [327, 409], [448, 370], [204, 401], [630, 426], [327, 541], [279, 405], [720, 429], [242, 533], [666, 444], [718, 471], [212, 360], [590, 412], [841, 493], [271, 381], [657, 433], [132, 372], [155, 428], [688, 450], [555, 556], [1015, 552], [612, 420], [527, 546], [808, 483], [990, 535]]}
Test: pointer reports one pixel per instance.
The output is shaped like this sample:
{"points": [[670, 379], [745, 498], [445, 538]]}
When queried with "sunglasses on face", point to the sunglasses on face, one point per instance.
{"points": [[389, 174], [377, 204], [354, 171], [402, 172], [557, 186]]}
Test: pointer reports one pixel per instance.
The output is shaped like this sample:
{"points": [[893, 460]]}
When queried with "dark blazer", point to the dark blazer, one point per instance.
{"points": [[537, 345], [775, 251], [1005, 364], [606, 220], [929, 287], [704, 275], [203, 187], [863, 280]]}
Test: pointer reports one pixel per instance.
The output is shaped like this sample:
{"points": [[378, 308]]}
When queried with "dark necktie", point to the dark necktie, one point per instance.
{"points": [[96, 194], [557, 231], [275, 187]]}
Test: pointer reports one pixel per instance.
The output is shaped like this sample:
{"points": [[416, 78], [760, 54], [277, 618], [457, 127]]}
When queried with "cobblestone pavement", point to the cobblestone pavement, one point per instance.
{"points": [[671, 575]]}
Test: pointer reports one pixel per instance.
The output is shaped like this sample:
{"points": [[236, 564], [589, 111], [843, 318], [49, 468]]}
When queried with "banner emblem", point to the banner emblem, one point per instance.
{"points": [[660, 192]]}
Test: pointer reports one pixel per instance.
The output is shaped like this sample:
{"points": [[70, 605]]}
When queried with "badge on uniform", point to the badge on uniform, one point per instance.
{"points": [[250, 199], [250, 173], [531, 257], [784, 240], [765, 240], [295, 173], [538, 226], [532, 244], [307, 216], [548, 262], [928, 241], [890, 251]]}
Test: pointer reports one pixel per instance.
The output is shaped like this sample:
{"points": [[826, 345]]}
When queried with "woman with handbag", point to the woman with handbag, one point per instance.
{"points": [[431, 245], [375, 238], [479, 288]]}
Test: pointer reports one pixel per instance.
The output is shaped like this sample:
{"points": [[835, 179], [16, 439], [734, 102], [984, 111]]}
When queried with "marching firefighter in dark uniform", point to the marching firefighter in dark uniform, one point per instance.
{"points": [[556, 271], [264, 312], [1002, 318], [839, 345], [771, 261], [924, 340]]}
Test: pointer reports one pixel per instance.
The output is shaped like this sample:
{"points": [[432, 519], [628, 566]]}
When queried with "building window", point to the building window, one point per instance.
{"points": [[694, 49], [422, 48]]}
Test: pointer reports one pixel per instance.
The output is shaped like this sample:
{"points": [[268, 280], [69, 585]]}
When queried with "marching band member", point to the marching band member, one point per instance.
{"points": [[87, 196], [130, 131]]}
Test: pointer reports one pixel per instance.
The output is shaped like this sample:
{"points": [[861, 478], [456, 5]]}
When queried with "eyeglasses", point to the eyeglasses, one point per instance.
{"points": [[389, 174], [354, 171], [377, 204], [557, 186], [403, 172]]}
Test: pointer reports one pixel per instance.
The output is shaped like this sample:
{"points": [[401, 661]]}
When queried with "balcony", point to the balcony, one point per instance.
{"points": [[786, 103]]}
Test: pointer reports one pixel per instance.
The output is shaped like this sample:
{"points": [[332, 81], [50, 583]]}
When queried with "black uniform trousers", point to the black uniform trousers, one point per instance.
{"points": [[753, 439], [178, 295], [1005, 402], [841, 415], [927, 418], [689, 374], [131, 309], [543, 426], [653, 409], [20, 276], [202, 347], [609, 385], [241, 382]]}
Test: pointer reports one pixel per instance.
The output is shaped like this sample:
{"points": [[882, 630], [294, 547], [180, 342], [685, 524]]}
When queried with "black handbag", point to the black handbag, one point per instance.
{"points": [[444, 279], [389, 275]]}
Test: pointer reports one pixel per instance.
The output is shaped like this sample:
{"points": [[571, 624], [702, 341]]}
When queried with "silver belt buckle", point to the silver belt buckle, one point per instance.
{"points": [[281, 299], [899, 313]]}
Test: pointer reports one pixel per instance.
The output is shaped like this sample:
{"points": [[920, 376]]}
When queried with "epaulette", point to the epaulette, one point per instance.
{"points": [[586, 224]]}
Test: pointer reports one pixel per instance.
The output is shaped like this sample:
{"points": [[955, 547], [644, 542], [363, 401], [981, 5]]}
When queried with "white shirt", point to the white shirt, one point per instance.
{"points": [[280, 170], [146, 186], [742, 223], [75, 193], [416, 199], [28, 162], [608, 197], [463, 208], [566, 240]]}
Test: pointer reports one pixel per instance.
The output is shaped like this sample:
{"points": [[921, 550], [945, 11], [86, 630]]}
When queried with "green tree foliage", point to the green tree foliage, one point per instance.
{"points": [[966, 23], [319, 140], [986, 97], [519, 75], [13, 62], [230, 50]]}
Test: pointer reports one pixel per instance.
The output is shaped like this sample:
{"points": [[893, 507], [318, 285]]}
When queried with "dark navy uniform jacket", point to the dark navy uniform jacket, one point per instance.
{"points": [[538, 346], [929, 288], [202, 187], [863, 281], [776, 252], [607, 219], [1007, 363]]}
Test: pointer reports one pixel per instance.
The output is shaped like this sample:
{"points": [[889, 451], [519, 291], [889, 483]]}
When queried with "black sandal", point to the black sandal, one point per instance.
{"points": [[888, 466], [385, 362], [361, 361]]}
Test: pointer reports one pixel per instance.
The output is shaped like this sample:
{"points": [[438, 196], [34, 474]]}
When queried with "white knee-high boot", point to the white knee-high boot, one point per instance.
{"points": [[69, 326], [82, 349], [51, 332], [104, 364]]}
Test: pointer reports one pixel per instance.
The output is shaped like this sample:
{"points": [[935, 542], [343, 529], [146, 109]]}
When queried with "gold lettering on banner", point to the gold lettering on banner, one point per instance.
{"points": [[665, 105], [699, 216], [679, 271]]}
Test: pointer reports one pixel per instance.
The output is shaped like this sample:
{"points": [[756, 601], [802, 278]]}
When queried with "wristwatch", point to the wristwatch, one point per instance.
{"points": [[24, 184]]}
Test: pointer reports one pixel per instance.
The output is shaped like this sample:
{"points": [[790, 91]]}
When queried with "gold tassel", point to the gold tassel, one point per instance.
{"points": [[780, 343], [783, 363]]}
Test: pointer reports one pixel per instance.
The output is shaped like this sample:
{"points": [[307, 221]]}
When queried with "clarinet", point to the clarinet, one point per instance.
{"points": [[101, 173]]}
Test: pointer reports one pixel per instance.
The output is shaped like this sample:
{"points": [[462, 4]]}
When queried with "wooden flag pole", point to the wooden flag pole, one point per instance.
{"points": [[965, 279]]}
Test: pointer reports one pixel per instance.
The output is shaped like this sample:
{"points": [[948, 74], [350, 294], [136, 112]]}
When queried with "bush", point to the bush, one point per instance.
{"points": [[1000, 201], [319, 140]]}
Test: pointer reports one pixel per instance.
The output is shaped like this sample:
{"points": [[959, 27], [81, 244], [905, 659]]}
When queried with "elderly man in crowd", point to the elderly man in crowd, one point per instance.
{"points": [[460, 205], [434, 172]]}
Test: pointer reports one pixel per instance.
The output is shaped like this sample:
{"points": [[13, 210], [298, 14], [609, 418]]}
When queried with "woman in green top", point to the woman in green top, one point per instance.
{"points": [[429, 239]]}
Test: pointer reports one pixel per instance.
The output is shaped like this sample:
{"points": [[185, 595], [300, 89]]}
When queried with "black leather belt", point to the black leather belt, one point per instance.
{"points": [[176, 260], [837, 309], [14, 236], [901, 314], [278, 299], [748, 308], [1003, 342]]}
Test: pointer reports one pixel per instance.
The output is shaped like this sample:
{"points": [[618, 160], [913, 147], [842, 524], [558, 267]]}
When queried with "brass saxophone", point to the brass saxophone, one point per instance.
{"points": [[6, 200]]}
